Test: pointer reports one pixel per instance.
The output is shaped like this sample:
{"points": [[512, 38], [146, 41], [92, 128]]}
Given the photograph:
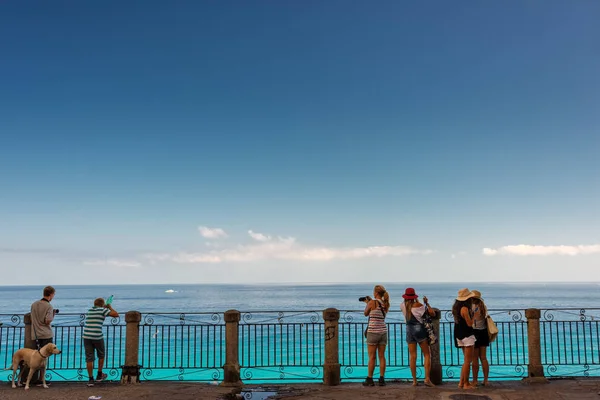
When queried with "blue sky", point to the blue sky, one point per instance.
{"points": [[338, 141]]}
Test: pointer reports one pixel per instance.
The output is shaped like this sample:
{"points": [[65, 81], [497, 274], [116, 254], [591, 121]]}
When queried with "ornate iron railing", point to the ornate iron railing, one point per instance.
{"points": [[280, 346], [570, 342], [177, 346]]}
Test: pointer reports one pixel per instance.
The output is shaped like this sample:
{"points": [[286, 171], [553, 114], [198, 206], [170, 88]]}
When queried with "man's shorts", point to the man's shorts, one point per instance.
{"points": [[377, 339], [93, 344]]}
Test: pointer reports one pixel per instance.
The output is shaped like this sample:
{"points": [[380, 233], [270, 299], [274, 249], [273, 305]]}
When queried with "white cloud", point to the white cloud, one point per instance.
{"points": [[536, 250], [212, 233], [459, 254], [259, 236], [269, 248], [113, 262]]}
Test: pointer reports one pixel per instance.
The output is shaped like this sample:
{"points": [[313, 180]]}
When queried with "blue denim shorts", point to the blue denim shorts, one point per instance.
{"points": [[415, 333]]}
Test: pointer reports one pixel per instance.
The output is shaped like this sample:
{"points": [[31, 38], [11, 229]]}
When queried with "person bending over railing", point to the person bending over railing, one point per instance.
{"points": [[93, 339]]}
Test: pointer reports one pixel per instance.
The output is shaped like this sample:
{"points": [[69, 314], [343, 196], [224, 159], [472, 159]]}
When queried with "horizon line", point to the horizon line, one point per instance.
{"points": [[306, 283]]}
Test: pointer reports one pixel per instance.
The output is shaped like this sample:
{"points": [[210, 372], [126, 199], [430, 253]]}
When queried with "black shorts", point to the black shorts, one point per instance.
{"points": [[483, 339], [93, 344]]}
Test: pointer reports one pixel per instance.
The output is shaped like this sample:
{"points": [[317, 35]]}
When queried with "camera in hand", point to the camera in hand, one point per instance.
{"points": [[56, 311], [364, 298]]}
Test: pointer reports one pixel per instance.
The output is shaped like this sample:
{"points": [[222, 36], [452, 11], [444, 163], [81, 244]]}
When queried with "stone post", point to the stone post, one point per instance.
{"points": [[535, 370], [331, 368], [131, 369], [436, 364], [231, 369]]}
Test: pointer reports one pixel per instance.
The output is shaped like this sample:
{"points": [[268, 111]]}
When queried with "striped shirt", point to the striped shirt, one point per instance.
{"points": [[94, 320], [377, 319]]}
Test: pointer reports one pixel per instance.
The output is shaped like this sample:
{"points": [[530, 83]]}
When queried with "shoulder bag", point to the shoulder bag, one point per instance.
{"points": [[491, 328], [428, 323]]}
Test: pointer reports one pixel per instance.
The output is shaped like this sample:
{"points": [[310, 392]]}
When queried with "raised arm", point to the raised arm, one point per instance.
{"points": [[369, 307], [113, 313]]}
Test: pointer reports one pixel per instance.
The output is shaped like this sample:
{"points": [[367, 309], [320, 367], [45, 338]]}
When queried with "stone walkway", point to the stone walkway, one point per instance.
{"points": [[581, 389]]}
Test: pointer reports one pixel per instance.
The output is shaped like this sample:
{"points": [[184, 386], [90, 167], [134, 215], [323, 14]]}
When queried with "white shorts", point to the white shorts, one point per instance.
{"points": [[466, 342]]}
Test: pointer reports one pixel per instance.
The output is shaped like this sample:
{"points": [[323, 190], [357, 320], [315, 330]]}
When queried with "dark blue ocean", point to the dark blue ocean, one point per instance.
{"points": [[281, 333], [208, 298]]}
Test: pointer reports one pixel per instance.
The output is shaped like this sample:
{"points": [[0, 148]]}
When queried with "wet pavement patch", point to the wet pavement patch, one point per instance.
{"points": [[469, 397], [257, 395], [251, 394]]}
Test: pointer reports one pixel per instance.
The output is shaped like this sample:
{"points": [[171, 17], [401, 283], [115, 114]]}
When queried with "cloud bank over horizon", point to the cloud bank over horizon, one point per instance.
{"points": [[539, 250], [268, 247]]}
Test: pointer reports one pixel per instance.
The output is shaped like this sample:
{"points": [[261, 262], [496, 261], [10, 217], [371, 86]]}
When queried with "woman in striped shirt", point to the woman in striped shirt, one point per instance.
{"points": [[377, 336]]}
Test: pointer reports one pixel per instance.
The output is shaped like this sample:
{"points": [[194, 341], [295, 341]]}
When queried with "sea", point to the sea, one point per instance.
{"points": [[189, 298], [281, 336]]}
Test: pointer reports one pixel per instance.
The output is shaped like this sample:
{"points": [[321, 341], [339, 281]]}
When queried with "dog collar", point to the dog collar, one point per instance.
{"points": [[41, 355]]}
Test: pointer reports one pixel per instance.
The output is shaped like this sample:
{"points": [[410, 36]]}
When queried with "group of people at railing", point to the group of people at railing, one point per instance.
{"points": [[470, 333]]}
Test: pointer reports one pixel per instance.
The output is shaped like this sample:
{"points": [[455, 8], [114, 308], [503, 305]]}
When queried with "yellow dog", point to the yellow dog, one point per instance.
{"points": [[35, 360]]}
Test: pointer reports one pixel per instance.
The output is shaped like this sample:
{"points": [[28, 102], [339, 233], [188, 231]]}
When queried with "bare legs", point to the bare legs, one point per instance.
{"points": [[382, 363], [90, 367], [412, 350], [372, 350], [480, 354], [466, 368], [426, 361], [100, 365]]}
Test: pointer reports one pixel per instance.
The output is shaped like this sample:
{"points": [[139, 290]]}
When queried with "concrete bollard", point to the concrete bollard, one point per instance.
{"points": [[231, 369], [331, 368], [435, 373], [535, 369], [131, 370]]}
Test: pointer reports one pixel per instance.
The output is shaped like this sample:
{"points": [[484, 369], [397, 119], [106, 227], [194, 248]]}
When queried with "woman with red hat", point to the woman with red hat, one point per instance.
{"points": [[416, 333]]}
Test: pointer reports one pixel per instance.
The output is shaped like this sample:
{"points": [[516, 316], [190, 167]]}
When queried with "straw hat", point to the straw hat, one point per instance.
{"points": [[464, 294], [409, 294], [476, 294]]}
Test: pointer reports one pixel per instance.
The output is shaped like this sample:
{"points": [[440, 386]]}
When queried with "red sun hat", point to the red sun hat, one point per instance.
{"points": [[409, 294]]}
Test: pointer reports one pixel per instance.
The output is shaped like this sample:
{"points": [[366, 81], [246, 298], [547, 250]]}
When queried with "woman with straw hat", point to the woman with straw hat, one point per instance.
{"points": [[464, 335], [416, 333], [483, 340]]}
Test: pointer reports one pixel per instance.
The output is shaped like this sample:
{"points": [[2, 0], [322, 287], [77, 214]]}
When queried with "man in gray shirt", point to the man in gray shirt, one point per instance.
{"points": [[42, 315]]}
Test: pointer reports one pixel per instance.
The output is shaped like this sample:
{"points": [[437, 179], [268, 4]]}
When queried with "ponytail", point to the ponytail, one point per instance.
{"points": [[385, 297], [386, 301]]}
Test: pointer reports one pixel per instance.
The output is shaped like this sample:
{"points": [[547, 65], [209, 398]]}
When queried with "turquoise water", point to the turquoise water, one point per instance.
{"points": [[285, 345]]}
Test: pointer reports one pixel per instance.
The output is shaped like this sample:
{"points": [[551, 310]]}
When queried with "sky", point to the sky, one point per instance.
{"points": [[309, 141]]}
